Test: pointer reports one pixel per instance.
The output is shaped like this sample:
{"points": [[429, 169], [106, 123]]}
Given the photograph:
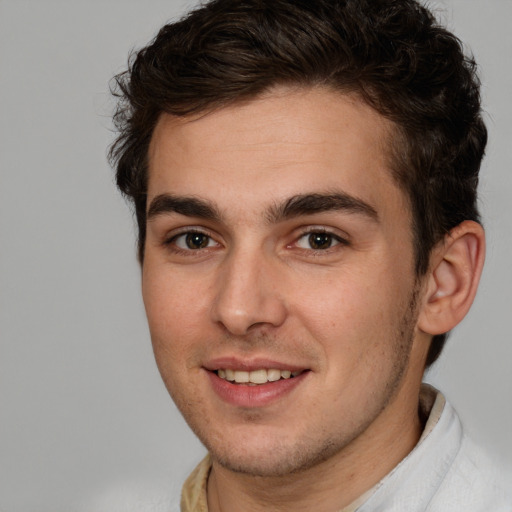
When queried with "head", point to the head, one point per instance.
{"points": [[393, 55], [304, 179]]}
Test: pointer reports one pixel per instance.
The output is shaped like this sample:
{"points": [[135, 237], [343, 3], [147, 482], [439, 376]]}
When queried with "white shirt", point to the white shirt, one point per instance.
{"points": [[445, 472]]}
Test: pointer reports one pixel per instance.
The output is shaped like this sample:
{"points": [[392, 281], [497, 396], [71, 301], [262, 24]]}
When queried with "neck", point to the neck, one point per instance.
{"points": [[334, 483]]}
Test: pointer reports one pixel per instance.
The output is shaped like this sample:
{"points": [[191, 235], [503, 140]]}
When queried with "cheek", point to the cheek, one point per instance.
{"points": [[174, 319], [172, 303], [343, 302], [354, 314]]}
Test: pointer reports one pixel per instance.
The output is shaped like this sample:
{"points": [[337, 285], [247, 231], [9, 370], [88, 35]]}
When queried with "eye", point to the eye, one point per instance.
{"points": [[318, 241], [192, 241]]}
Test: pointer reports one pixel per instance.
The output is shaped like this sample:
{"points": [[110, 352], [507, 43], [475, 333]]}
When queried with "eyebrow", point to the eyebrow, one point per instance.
{"points": [[183, 205], [309, 204], [295, 206]]}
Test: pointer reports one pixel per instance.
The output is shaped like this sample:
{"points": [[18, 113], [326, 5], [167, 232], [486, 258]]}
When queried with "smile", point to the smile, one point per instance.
{"points": [[254, 384], [255, 377]]}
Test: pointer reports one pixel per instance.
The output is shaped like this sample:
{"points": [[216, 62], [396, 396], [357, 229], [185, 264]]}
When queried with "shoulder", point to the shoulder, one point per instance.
{"points": [[445, 472], [474, 483]]}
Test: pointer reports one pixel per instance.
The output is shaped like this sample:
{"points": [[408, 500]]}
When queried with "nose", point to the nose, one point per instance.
{"points": [[248, 294]]}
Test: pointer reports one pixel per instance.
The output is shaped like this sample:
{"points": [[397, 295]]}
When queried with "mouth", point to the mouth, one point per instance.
{"points": [[253, 384], [256, 382], [256, 377]]}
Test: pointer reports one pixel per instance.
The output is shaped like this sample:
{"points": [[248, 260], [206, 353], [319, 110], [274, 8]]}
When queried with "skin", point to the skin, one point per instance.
{"points": [[255, 288]]}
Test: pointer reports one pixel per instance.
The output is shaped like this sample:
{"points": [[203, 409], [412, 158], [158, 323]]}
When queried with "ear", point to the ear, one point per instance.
{"points": [[456, 267]]}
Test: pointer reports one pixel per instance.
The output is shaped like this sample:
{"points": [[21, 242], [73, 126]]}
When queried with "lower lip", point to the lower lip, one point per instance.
{"points": [[243, 395]]}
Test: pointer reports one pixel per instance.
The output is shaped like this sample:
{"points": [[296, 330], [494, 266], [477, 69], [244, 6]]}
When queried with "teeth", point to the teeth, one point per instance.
{"points": [[258, 377], [255, 377], [241, 377], [273, 375]]}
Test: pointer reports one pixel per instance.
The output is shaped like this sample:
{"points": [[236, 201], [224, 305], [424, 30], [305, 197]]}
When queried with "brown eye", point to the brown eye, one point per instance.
{"points": [[319, 241], [193, 241], [196, 241]]}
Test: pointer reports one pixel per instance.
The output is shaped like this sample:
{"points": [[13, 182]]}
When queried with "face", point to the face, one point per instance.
{"points": [[278, 278]]}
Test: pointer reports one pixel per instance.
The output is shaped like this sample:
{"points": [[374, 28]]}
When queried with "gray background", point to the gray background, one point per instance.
{"points": [[86, 424]]}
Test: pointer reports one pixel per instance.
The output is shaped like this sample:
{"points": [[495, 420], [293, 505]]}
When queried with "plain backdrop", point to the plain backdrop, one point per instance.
{"points": [[86, 424]]}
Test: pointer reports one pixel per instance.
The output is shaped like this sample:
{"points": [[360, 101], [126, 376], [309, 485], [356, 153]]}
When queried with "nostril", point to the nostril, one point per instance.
{"points": [[246, 299]]}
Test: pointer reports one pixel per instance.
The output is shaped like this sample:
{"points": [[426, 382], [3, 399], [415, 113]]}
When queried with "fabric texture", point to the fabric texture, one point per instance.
{"points": [[445, 472]]}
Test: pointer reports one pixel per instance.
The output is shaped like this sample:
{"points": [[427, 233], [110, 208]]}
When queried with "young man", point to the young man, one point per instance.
{"points": [[304, 178]]}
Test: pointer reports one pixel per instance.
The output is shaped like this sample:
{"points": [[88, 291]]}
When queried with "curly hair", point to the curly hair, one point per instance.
{"points": [[393, 53]]}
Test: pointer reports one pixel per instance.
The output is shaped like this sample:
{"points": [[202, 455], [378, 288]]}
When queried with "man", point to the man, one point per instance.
{"points": [[304, 178]]}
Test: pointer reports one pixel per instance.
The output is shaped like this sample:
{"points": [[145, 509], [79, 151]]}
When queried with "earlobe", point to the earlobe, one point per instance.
{"points": [[456, 267]]}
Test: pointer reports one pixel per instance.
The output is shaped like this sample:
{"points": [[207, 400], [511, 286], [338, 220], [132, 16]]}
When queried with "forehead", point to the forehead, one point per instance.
{"points": [[283, 143]]}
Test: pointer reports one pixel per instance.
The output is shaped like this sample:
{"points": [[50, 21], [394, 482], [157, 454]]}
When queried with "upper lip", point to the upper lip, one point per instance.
{"points": [[249, 365]]}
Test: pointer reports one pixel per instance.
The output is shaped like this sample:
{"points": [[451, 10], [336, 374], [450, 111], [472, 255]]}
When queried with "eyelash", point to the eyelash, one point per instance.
{"points": [[171, 241], [336, 240]]}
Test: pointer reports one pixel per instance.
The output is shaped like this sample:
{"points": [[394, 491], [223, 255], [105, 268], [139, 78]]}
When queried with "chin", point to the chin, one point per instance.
{"points": [[277, 459]]}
